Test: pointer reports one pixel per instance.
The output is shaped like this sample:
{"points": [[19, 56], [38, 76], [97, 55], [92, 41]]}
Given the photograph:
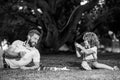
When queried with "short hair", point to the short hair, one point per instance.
{"points": [[31, 32], [92, 39]]}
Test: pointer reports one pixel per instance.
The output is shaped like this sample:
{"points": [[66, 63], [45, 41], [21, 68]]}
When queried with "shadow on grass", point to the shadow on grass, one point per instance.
{"points": [[108, 55], [74, 64]]}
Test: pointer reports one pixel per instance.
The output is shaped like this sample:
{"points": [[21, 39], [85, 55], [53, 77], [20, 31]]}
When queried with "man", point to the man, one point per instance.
{"points": [[26, 52]]}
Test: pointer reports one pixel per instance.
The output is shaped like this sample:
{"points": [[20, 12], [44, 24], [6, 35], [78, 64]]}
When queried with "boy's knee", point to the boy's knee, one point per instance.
{"points": [[85, 65], [95, 64]]}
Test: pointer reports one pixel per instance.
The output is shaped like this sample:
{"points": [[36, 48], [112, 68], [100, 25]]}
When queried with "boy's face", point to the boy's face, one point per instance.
{"points": [[86, 43]]}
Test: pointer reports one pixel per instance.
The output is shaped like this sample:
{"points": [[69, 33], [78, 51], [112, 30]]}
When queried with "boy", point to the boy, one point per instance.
{"points": [[90, 52]]}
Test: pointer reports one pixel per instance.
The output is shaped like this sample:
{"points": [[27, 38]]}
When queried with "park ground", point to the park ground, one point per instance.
{"points": [[69, 60]]}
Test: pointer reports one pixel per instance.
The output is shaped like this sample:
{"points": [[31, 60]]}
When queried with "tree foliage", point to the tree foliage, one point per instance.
{"points": [[59, 19]]}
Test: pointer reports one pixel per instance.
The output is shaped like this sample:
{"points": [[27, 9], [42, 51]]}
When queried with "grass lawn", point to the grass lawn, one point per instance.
{"points": [[71, 61]]}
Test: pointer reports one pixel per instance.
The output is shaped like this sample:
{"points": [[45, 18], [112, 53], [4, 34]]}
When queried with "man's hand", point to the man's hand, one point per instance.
{"points": [[25, 68]]}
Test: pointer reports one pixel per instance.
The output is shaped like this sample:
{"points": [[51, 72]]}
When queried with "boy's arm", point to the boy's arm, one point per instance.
{"points": [[83, 49], [78, 52]]}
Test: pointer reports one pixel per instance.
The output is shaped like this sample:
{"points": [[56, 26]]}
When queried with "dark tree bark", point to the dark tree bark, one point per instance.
{"points": [[58, 20], [64, 34]]}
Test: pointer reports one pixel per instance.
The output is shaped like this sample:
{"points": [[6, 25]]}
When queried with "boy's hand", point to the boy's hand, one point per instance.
{"points": [[76, 44], [77, 49]]}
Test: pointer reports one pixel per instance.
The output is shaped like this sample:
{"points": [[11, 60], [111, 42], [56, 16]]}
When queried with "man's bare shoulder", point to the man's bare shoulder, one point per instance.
{"points": [[35, 49], [17, 42]]}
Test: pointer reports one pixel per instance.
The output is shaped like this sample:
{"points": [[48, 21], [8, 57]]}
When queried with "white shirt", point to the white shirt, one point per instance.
{"points": [[30, 54], [91, 56]]}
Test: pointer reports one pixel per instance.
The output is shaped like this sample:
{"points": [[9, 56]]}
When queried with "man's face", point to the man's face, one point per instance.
{"points": [[34, 40]]}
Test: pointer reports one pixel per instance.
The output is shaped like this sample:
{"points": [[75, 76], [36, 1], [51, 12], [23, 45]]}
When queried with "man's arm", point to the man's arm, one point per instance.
{"points": [[36, 60], [33, 67], [22, 62]]}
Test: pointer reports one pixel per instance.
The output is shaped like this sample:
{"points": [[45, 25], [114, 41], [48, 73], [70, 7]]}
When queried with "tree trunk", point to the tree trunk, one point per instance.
{"points": [[64, 34]]}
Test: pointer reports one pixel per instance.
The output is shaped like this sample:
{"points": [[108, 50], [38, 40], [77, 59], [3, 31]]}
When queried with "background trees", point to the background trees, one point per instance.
{"points": [[62, 21]]}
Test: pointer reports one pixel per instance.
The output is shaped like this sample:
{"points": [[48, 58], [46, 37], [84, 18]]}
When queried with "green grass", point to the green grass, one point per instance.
{"points": [[70, 61]]}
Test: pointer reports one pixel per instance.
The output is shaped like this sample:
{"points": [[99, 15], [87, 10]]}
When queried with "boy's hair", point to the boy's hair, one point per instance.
{"points": [[92, 39]]}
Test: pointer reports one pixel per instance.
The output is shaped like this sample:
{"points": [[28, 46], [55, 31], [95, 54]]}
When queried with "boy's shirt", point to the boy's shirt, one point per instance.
{"points": [[92, 55]]}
